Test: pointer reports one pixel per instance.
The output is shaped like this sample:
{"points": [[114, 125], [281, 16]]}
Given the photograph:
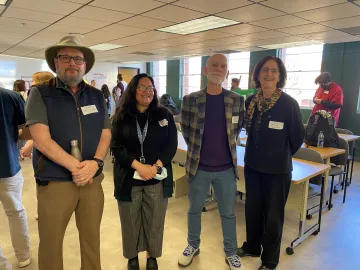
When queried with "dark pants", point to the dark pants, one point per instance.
{"points": [[266, 196]]}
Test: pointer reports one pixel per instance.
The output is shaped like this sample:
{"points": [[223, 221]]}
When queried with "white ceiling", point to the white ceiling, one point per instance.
{"points": [[27, 27]]}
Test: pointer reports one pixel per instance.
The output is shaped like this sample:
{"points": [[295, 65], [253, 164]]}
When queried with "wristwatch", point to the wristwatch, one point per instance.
{"points": [[99, 162], [158, 169]]}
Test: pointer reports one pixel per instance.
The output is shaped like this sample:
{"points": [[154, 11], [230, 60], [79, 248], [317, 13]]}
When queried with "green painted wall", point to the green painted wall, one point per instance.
{"points": [[305, 113], [342, 60], [173, 80]]}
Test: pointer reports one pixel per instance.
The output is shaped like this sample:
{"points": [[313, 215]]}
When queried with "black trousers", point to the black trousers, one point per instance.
{"points": [[266, 196]]}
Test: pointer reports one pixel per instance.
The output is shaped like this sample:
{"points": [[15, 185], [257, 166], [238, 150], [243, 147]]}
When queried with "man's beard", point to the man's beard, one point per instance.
{"points": [[72, 80], [215, 79]]}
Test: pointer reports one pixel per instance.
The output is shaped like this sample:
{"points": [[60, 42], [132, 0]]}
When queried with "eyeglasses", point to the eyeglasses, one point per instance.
{"points": [[143, 88], [67, 59], [273, 71]]}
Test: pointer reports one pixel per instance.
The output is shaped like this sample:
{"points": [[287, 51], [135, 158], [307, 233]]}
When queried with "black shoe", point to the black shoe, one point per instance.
{"points": [[133, 264], [263, 267], [242, 253], [151, 264]]}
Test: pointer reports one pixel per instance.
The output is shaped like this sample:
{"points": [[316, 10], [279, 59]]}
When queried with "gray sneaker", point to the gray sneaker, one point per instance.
{"points": [[187, 256], [234, 262]]}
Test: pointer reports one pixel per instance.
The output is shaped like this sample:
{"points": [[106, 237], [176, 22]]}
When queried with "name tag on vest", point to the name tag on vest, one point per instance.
{"points": [[89, 109], [276, 125]]}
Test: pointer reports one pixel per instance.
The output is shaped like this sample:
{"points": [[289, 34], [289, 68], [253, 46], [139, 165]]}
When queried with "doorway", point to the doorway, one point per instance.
{"points": [[128, 73]]}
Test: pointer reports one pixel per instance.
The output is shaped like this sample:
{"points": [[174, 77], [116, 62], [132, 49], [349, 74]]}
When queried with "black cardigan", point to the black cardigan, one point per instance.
{"points": [[160, 143], [271, 150]]}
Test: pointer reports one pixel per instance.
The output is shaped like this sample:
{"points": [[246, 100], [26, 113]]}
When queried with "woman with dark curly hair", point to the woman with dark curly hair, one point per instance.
{"points": [[144, 142], [275, 133]]}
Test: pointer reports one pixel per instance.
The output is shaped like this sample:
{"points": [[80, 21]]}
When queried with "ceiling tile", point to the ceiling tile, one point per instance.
{"points": [[66, 30], [74, 21], [241, 29], [325, 35], [2, 8], [305, 29], [265, 35], [275, 23], [54, 6], [25, 14], [342, 39], [343, 23], [21, 50], [292, 6], [100, 14], [38, 54], [330, 13], [250, 13], [11, 22], [77, 1], [146, 22], [144, 38], [174, 14], [133, 6], [211, 6]]}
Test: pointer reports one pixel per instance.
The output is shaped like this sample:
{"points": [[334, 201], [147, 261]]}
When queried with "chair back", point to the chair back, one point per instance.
{"points": [[310, 155], [352, 143]]}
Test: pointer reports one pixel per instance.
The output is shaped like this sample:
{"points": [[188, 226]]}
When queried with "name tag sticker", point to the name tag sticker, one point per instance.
{"points": [[326, 92], [89, 109], [163, 123], [276, 125], [235, 119]]}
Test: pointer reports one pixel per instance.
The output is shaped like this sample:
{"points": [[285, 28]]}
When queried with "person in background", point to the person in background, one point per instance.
{"points": [[118, 90], [19, 87], [275, 133], [144, 139], [211, 120], [93, 83], [235, 84], [329, 96], [120, 79], [38, 79], [12, 118], [68, 109], [107, 96]]}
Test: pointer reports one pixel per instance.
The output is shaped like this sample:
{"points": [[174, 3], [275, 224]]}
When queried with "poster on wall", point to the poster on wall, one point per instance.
{"points": [[98, 77]]}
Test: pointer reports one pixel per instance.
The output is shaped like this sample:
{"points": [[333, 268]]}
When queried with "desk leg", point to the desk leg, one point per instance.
{"points": [[303, 233]]}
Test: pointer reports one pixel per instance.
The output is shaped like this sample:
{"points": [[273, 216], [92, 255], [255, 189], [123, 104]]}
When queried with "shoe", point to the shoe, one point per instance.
{"points": [[234, 262], [242, 253], [133, 264], [263, 267], [151, 264], [24, 263], [187, 256]]}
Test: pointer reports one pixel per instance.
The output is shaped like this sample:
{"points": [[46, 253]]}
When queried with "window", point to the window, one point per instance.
{"points": [[190, 75], [238, 66], [303, 65], [159, 76]]}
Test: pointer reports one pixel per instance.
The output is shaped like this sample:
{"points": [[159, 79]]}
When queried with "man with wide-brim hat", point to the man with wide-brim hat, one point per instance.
{"points": [[70, 127]]}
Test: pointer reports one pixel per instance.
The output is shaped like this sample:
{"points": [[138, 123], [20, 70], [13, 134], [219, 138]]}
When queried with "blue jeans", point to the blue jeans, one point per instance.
{"points": [[224, 184]]}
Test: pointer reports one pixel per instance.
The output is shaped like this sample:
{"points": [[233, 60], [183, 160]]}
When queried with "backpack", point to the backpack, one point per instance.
{"points": [[321, 121], [167, 102]]}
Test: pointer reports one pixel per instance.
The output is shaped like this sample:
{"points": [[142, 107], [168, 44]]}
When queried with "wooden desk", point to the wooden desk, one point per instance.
{"points": [[302, 172], [348, 137]]}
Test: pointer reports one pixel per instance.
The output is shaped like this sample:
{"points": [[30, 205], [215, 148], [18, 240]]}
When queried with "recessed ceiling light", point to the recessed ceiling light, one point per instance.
{"points": [[291, 44], [106, 47], [198, 25]]}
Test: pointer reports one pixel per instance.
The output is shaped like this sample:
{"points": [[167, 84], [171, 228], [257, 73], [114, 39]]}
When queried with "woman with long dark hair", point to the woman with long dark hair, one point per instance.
{"points": [[106, 92], [19, 86], [144, 142]]}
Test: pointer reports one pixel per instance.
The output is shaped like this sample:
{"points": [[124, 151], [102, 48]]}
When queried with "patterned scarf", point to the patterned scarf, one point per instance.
{"points": [[262, 104]]}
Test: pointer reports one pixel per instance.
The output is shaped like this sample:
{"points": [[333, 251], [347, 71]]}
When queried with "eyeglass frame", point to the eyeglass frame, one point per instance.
{"points": [[151, 87], [71, 58], [273, 70]]}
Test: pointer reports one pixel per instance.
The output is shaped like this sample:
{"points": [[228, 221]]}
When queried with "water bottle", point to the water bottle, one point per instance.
{"points": [[75, 150], [320, 140]]}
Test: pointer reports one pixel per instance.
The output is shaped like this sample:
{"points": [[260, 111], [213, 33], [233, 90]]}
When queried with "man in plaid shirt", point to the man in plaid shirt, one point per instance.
{"points": [[211, 120]]}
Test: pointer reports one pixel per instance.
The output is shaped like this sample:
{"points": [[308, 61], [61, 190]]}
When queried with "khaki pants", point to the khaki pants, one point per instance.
{"points": [[11, 200], [56, 203]]}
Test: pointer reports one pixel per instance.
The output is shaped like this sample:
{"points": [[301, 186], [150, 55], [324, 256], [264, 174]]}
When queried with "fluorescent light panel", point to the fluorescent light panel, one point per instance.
{"points": [[290, 44], [198, 25], [3, 2], [106, 47]]}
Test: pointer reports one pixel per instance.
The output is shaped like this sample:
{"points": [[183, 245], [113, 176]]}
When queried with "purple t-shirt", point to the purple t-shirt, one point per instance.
{"points": [[215, 155]]}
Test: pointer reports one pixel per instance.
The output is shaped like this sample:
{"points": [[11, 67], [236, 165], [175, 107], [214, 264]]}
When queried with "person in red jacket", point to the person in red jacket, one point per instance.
{"points": [[329, 96]]}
